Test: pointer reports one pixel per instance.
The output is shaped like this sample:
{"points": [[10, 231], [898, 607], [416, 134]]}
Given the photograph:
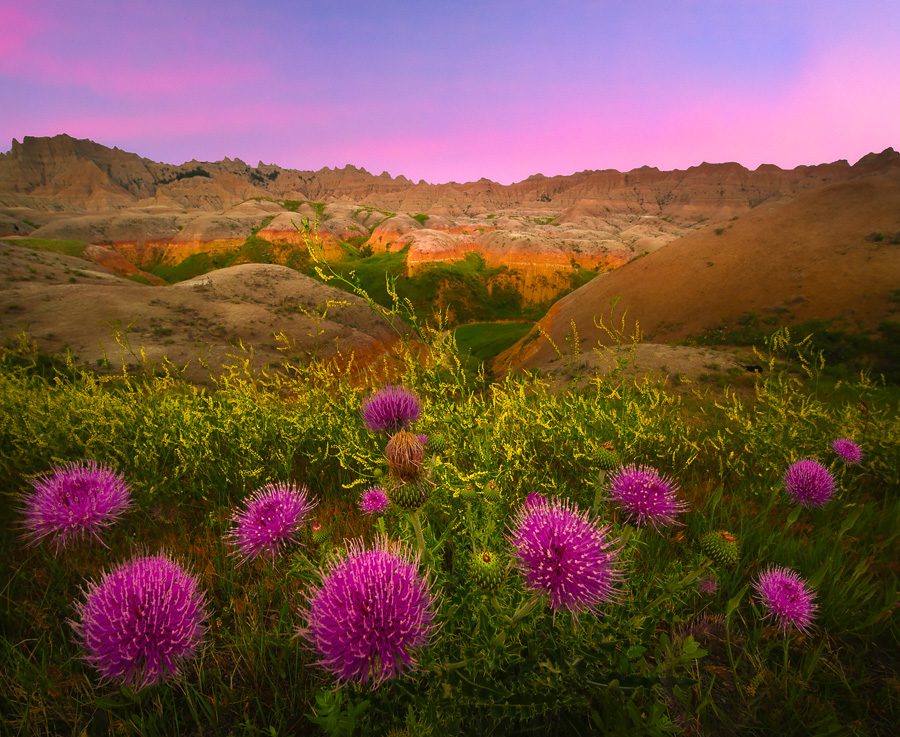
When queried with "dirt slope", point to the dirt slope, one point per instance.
{"points": [[830, 254], [66, 302]]}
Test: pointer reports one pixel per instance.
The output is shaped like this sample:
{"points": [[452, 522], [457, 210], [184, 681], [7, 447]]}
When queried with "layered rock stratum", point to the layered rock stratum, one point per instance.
{"points": [[544, 229]]}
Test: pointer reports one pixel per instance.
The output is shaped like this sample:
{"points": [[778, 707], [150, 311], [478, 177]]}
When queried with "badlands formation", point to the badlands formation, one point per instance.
{"points": [[682, 250], [542, 228]]}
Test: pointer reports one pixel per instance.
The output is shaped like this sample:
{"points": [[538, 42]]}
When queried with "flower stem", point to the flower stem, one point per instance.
{"points": [[420, 538]]}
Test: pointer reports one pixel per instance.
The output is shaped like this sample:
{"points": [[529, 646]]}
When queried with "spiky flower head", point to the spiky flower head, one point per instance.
{"points": [[373, 500], [486, 569], [270, 520], [141, 621], [607, 458], [372, 613], [391, 409], [646, 496], [423, 439], [410, 494], [848, 451], [809, 483], [405, 454], [786, 598], [535, 498], [73, 501], [563, 551], [722, 546]]}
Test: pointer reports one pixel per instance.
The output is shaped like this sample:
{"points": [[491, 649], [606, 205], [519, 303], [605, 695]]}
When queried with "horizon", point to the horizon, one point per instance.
{"points": [[496, 90], [437, 184]]}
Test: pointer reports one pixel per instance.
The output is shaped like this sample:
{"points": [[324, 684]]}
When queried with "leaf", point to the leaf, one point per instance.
{"points": [[735, 601], [635, 651]]}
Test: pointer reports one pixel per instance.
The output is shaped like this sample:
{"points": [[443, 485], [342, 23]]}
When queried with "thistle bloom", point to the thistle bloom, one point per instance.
{"points": [[391, 409], [785, 596], [809, 483], [73, 501], [646, 496], [561, 550], [848, 451], [270, 520], [373, 500], [141, 621], [535, 498], [371, 615]]}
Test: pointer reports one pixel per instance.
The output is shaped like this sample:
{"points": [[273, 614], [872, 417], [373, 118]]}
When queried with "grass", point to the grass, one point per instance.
{"points": [[69, 247], [486, 340], [665, 659], [194, 265], [844, 351]]}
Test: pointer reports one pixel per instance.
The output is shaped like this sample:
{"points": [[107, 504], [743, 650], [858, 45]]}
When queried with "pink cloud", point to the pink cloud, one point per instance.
{"points": [[19, 25]]}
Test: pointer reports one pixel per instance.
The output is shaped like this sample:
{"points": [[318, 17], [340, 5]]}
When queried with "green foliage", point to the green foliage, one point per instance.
{"points": [[197, 171], [70, 247], [194, 265], [663, 660], [485, 340], [421, 217]]}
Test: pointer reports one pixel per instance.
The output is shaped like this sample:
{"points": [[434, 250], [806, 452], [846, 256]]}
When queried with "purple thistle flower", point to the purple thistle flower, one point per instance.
{"points": [[373, 500], [73, 501], [561, 550], [423, 439], [809, 483], [708, 585], [141, 621], [785, 596], [535, 498], [848, 451], [646, 496], [270, 520], [391, 409], [371, 614]]}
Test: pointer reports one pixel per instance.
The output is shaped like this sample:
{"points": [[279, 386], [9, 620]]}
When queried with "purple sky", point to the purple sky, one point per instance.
{"points": [[458, 90]]}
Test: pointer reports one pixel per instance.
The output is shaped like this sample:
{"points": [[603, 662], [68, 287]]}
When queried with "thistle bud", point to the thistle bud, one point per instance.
{"points": [[486, 569], [722, 546], [410, 494], [607, 458], [437, 443], [405, 454]]}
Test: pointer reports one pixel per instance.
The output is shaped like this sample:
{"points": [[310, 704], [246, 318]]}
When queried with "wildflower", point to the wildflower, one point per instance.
{"points": [[141, 621], [371, 615], [646, 496], [708, 585], [561, 550], [73, 501], [270, 519], [848, 451], [809, 483], [373, 500], [405, 454], [391, 409], [535, 498], [785, 596]]}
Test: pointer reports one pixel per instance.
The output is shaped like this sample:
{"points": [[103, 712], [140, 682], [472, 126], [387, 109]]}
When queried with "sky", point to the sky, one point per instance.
{"points": [[456, 91]]}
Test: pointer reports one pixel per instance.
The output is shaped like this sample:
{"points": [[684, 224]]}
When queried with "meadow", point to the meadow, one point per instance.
{"points": [[684, 647]]}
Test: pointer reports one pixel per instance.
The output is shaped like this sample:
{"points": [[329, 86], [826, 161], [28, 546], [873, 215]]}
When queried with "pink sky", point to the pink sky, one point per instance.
{"points": [[495, 89]]}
